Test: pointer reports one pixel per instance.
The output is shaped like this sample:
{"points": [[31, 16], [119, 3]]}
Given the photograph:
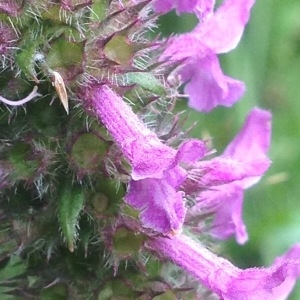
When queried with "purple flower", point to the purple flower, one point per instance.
{"points": [[223, 278], [156, 174], [218, 33], [161, 206], [240, 166], [207, 86], [245, 158], [201, 7]]}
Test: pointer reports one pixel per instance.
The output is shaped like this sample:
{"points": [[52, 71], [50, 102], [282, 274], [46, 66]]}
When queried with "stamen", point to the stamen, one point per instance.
{"points": [[32, 95]]}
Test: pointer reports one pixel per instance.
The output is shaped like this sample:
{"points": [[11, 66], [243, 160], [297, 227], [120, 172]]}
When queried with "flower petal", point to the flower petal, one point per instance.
{"points": [[245, 155], [241, 165], [191, 151], [227, 204], [253, 141], [163, 6], [207, 86], [224, 29], [156, 175], [161, 206], [222, 170], [184, 46], [185, 6], [220, 32]]}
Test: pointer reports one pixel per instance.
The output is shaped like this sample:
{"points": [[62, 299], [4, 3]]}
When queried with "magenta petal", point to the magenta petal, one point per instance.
{"points": [[227, 204], [208, 87], [292, 253], [163, 6], [223, 278], [251, 145], [253, 141], [222, 170], [270, 283], [184, 6], [241, 165], [220, 32], [187, 45], [155, 174], [191, 151], [175, 176], [224, 29], [149, 158], [161, 207], [205, 9]]}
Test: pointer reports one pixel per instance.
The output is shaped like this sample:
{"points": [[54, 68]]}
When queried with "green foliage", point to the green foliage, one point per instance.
{"points": [[147, 81], [23, 167], [62, 179], [58, 291], [88, 152], [126, 243], [13, 268], [70, 204]]}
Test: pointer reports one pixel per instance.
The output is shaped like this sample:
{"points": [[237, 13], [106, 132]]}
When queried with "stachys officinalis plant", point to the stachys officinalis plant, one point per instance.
{"points": [[103, 193]]}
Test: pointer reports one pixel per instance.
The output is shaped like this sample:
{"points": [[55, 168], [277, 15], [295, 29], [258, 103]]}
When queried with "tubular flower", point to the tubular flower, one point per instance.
{"points": [[220, 32], [242, 164], [156, 174], [226, 280]]}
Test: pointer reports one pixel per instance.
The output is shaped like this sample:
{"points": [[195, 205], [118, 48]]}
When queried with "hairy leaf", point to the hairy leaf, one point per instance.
{"points": [[70, 204]]}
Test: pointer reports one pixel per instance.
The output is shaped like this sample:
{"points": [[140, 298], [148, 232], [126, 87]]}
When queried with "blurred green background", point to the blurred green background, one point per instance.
{"points": [[268, 61]]}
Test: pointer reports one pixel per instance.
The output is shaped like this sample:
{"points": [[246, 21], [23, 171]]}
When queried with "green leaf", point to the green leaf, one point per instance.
{"points": [[64, 54], [119, 50], [25, 58], [13, 268], [23, 164], [110, 189], [4, 293], [168, 295], [57, 292], [70, 204], [147, 81], [127, 243], [99, 202], [88, 152], [98, 11]]}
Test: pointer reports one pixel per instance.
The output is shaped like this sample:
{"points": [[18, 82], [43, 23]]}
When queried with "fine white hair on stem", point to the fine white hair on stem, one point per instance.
{"points": [[32, 95]]}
